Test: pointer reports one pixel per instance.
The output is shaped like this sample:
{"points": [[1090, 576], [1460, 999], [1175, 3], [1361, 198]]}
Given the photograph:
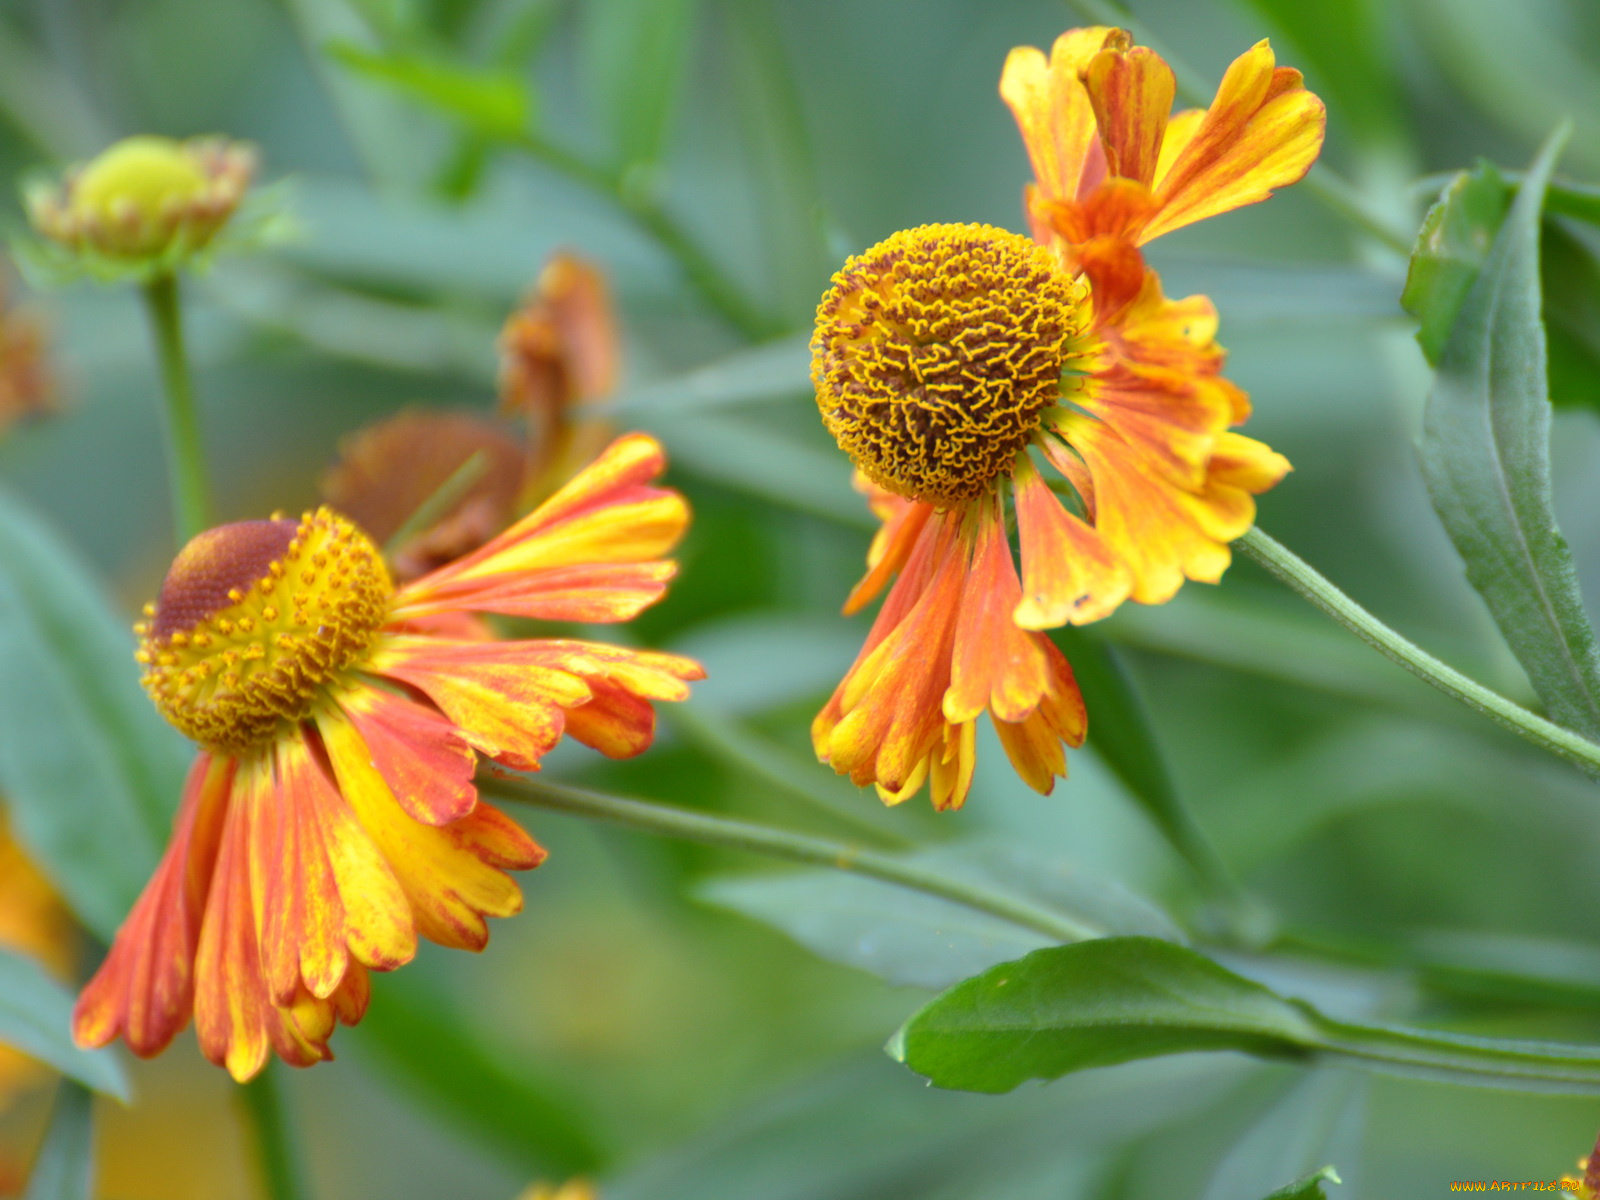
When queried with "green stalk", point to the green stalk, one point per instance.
{"points": [[701, 270], [794, 847], [186, 460], [1299, 575], [274, 1139]]}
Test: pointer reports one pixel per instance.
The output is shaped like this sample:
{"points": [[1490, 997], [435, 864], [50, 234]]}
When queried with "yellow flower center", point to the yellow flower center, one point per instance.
{"points": [[148, 176], [254, 619], [938, 351]]}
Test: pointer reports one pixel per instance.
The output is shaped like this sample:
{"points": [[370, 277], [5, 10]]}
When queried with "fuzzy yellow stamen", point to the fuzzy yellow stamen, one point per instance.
{"points": [[938, 351], [254, 619]]}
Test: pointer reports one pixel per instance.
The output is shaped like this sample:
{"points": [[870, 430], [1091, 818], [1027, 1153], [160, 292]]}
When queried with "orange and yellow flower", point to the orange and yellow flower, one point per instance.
{"points": [[1588, 1187], [330, 818], [951, 361]]}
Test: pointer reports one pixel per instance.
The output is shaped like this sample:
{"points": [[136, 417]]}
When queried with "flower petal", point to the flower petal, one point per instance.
{"points": [[1131, 91], [1052, 109], [1069, 572], [503, 699], [145, 988], [420, 755], [1262, 131], [994, 665]]}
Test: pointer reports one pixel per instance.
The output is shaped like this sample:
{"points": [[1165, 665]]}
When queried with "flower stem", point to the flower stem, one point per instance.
{"points": [[720, 292], [795, 847], [274, 1139], [186, 462], [1300, 576]]}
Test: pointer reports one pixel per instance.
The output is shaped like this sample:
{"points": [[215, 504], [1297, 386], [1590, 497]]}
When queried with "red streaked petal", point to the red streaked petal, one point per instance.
{"points": [[993, 664], [1052, 108], [606, 514], [1069, 573], [296, 896], [420, 755], [891, 547], [377, 925], [505, 703], [601, 593], [1131, 91], [1262, 131], [144, 990]]}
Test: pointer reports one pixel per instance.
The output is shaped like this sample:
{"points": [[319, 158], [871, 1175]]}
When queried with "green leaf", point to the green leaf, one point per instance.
{"points": [[490, 101], [1569, 264], [1451, 248], [91, 771], [1309, 1188], [1094, 1004], [64, 1169], [1485, 450], [415, 1037], [1121, 735], [635, 53], [776, 370], [36, 1018], [912, 939]]}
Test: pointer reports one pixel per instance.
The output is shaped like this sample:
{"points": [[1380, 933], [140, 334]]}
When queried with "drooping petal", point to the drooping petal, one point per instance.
{"points": [[951, 765], [994, 664], [295, 894], [1262, 131], [376, 925], [1052, 109], [607, 514], [1069, 573], [891, 547], [236, 1022], [618, 719], [145, 988], [420, 755], [886, 714], [505, 701], [451, 875], [1035, 745]]}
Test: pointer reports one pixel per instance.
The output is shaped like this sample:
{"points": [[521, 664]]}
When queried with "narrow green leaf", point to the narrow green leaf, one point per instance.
{"points": [[1309, 1188], [90, 770], [36, 1018], [915, 940], [1094, 1004], [1451, 248], [635, 54], [1485, 450], [64, 1169], [415, 1037], [1569, 264], [776, 370], [1121, 735], [490, 101]]}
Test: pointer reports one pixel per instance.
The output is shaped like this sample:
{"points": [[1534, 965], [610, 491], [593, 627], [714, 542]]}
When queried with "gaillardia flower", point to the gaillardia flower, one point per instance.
{"points": [[330, 818], [957, 364]]}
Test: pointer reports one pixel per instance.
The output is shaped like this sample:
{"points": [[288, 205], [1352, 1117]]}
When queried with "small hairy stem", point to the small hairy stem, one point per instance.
{"points": [[274, 1141], [701, 270], [186, 460], [795, 847], [1295, 572]]}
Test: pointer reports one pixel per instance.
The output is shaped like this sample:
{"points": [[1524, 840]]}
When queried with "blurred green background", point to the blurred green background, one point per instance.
{"points": [[623, 1026]]}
